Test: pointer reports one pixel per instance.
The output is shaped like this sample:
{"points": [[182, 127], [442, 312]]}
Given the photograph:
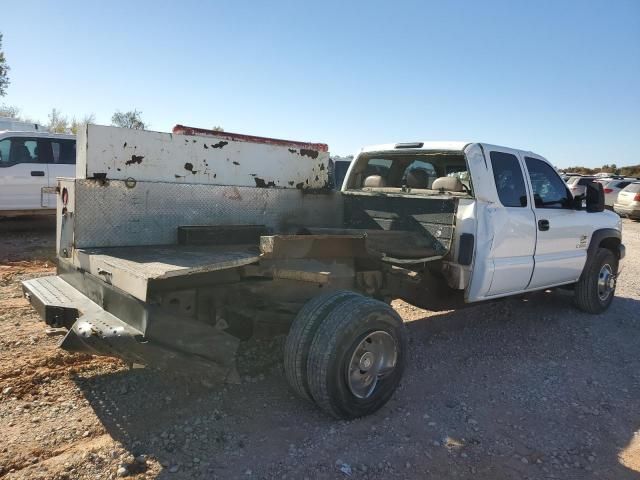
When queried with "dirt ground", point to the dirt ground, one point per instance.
{"points": [[522, 388]]}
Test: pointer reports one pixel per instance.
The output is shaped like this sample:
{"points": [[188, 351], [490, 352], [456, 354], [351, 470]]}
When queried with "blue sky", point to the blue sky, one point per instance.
{"points": [[561, 78]]}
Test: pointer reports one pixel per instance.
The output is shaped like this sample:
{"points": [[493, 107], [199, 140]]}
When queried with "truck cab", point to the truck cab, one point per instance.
{"points": [[498, 221], [30, 162]]}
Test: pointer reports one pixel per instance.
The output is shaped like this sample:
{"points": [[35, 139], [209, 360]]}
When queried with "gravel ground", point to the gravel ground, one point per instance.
{"points": [[526, 387]]}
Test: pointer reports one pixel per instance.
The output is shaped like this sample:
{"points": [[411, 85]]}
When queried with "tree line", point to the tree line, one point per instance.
{"points": [[628, 171], [60, 123]]}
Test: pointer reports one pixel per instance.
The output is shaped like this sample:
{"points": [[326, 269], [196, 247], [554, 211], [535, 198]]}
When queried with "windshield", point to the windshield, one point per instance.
{"points": [[422, 173]]}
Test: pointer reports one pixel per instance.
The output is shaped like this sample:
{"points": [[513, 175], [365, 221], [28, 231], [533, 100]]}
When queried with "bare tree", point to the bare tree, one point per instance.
{"points": [[130, 119], [4, 71], [78, 124], [9, 111], [58, 123], [218, 128]]}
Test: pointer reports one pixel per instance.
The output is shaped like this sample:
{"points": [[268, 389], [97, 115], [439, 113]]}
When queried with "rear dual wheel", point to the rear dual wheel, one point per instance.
{"points": [[356, 358]]}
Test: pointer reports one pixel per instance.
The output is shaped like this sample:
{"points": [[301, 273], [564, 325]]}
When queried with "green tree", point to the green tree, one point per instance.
{"points": [[130, 119], [58, 123], [4, 71], [78, 124]]}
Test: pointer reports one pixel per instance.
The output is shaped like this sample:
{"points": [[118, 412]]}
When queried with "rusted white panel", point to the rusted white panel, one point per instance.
{"points": [[215, 158]]}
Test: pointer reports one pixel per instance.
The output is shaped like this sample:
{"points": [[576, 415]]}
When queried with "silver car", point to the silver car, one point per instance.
{"points": [[628, 202], [578, 185], [612, 187]]}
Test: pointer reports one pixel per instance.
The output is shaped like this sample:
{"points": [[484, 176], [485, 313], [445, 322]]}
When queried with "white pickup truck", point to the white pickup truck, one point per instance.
{"points": [[30, 162], [174, 248]]}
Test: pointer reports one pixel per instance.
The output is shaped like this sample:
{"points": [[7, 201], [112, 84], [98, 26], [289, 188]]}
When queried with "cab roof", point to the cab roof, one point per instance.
{"points": [[453, 146]]}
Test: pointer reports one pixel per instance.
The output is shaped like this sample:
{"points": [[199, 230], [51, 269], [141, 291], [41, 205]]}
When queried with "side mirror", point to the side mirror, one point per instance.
{"points": [[577, 202], [595, 197]]}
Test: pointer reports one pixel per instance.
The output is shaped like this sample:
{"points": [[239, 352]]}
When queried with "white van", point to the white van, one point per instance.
{"points": [[30, 162]]}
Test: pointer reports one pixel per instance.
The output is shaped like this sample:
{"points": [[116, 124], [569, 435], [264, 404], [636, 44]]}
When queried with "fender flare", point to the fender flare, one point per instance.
{"points": [[602, 234]]}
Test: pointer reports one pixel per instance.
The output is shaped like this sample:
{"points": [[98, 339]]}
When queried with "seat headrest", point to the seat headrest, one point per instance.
{"points": [[450, 184], [374, 181], [417, 178]]}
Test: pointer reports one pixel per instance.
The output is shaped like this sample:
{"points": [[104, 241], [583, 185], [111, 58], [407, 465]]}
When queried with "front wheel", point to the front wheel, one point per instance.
{"points": [[357, 358], [596, 288]]}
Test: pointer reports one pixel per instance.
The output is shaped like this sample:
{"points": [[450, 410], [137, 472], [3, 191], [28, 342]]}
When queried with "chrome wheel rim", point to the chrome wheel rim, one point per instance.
{"points": [[606, 282], [373, 358]]}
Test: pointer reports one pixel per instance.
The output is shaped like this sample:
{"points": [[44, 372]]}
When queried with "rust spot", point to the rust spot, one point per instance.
{"points": [[290, 183], [260, 183], [125, 145], [220, 144], [306, 152], [293, 150], [300, 186], [317, 178], [321, 166], [188, 166], [236, 163], [118, 169], [205, 146], [253, 174], [134, 159]]}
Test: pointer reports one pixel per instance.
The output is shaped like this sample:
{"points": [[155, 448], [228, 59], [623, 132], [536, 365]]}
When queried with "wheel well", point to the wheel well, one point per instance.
{"points": [[611, 243]]}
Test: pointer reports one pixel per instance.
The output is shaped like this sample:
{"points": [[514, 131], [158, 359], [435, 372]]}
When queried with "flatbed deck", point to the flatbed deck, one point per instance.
{"points": [[132, 268]]}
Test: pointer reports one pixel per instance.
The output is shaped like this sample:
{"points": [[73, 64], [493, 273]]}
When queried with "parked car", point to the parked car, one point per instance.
{"points": [[628, 202], [612, 187], [30, 162], [578, 185]]}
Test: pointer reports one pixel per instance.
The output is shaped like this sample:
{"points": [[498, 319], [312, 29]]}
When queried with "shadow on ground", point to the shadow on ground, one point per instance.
{"points": [[523, 387]]}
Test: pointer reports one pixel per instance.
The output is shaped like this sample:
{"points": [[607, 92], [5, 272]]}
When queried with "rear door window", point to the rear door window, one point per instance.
{"points": [[64, 151], [507, 174]]}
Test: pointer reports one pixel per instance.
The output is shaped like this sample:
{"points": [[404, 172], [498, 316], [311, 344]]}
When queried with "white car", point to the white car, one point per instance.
{"points": [[612, 187], [30, 162], [628, 201]]}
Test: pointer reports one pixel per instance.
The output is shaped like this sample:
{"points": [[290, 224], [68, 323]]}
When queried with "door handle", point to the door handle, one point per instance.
{"points": [[543, 225], [37, 173]]}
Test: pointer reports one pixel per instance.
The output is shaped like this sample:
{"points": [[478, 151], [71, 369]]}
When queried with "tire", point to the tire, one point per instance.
{"points": [[589, 290], [301, 333], [336, 348]]}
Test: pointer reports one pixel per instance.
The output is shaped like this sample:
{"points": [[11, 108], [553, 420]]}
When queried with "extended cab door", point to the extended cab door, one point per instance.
{"points": [[22, 174], [505, 231], [62, 164], [562, 233]]}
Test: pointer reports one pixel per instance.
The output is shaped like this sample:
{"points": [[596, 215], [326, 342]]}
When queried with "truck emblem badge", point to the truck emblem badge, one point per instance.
{"points": [[583, 242]]}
